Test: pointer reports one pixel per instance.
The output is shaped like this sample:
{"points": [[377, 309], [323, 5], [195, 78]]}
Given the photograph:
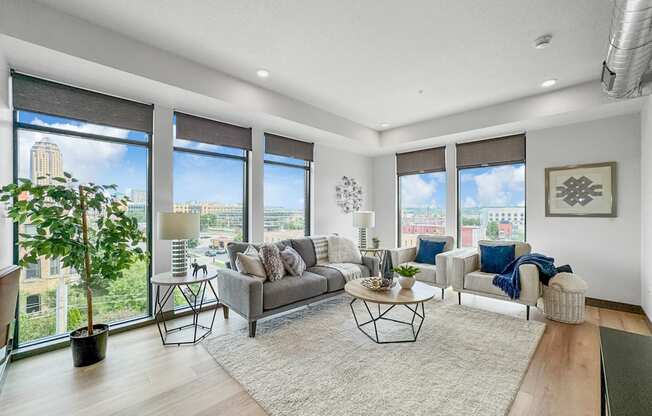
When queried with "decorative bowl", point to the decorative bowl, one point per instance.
{"points": [[376, 284]]}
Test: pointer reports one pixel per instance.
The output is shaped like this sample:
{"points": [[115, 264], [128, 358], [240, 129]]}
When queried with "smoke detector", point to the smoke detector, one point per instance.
{"points": [[542, 42]]}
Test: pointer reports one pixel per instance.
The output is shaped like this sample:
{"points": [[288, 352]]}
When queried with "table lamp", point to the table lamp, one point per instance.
{"points": [[178, 227], [363, 220]]}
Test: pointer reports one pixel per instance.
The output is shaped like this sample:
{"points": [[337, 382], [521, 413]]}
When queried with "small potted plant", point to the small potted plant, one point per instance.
{"points": [[376, 242], [88, 228], [406, 275]]}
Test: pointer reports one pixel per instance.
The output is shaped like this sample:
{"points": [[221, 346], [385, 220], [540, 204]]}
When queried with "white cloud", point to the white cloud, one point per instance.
{"points": [[469, 203], [417, 192], [495, 186], [86, 160]]}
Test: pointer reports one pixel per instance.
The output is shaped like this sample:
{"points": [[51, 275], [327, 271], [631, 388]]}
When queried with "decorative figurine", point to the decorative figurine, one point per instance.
{"points": [[196, 267]]}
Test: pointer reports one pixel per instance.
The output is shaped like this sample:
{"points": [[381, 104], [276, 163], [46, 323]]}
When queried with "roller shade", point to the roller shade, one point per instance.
{"points": [[47, 97], [203, 130], [421, 161], [283, 146], [510, 149]]}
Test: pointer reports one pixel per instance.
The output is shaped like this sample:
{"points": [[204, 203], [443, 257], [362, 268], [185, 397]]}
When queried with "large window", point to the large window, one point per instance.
{"points": [[491, 199], [211, 180], [287, 198], [51, 302], [422, 206]]}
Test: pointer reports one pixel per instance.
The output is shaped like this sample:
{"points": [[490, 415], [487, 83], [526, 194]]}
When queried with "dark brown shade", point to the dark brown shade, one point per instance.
{"points": [[283, 146], [203, 130], [510, 149], [421, 161], [41, 96]]}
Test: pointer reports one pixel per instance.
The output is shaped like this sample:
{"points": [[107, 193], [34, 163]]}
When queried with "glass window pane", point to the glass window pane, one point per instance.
{"points": [[214, 187], [423, 206], [285, 202], [285, 159], [62, 302], [44, 120], [491, 204]]}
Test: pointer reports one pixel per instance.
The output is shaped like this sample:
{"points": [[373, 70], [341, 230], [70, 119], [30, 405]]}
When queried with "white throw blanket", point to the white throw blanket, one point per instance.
{"points": [[350, 271]]}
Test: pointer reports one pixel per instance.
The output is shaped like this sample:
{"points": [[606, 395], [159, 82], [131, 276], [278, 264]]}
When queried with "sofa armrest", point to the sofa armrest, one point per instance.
{"points": [[240, 292], [402, 255], [444, 265], [372, 263], [530, 286], [463, 263]]}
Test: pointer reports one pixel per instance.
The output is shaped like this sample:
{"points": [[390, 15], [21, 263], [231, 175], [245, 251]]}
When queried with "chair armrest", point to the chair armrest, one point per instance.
{"points": [[463, 263], [372, 263], [402, 255], [240, 292], [444, 265], [530, 286]]}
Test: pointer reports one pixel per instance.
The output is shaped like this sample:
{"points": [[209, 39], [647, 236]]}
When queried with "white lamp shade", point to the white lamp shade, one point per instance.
{"points": [[177, 226], [364, 219]]}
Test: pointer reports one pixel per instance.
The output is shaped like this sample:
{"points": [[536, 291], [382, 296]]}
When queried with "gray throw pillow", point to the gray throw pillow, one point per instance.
{"points": [[271, 258], [292, 261]]}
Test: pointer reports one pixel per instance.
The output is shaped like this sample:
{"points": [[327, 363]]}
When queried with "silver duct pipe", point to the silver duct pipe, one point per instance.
{"points": [[630, 48]]}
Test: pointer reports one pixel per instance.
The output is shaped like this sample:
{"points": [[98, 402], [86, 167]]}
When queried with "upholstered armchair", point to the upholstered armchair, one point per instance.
{"points": [[433, 274], [466, 277]]}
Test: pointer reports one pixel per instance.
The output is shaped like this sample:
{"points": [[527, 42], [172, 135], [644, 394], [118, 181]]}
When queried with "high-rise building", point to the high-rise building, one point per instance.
{"points": [[45, 162]]}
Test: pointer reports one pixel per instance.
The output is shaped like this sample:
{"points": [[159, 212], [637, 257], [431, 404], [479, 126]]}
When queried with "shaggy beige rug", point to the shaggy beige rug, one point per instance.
{"points": [[316, 362]]}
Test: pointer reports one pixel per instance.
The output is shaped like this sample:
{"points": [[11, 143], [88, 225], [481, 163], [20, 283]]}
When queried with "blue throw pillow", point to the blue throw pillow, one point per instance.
{"points": [[428, 250], [495, 258]]}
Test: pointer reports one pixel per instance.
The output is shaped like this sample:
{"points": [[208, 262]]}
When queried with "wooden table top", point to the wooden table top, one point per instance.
{"points": [[420, 292], [166, 279]]}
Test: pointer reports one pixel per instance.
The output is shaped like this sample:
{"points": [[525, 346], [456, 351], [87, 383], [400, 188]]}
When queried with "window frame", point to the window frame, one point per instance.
{"points": [[19, 125], [38, 303], [488, 165], [307, 168]]}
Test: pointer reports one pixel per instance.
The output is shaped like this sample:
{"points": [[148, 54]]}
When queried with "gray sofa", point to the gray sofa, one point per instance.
{"points": [[253, 299]]}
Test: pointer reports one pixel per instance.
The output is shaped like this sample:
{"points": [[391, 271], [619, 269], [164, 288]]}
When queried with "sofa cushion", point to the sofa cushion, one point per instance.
{"points": [[496, 258], [292, 261], [428, 272], [482, 282], [306, 250], [251, 265], [520, 248], [233, 248], [449, 242], [271, 258], [428, 250], [292, 289], [343, 250], [334, 278]]}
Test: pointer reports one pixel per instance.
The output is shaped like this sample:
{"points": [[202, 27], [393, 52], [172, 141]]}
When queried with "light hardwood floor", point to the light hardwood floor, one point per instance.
{"points": [[141, 377]]}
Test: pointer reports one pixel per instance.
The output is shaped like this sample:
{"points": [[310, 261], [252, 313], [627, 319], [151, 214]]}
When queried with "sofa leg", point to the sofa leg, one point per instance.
{"points": [[442, 294], [225, 311], [459, 298], [527, 312], [252, 329]]}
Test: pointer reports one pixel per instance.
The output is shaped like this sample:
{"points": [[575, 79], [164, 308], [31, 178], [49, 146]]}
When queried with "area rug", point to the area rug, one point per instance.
{"points": [[316, 362]]}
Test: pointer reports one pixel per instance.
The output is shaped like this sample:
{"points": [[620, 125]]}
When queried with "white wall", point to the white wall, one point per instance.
{"points": [[646, 207], [385, 193], [328, 168], [604, 251]]}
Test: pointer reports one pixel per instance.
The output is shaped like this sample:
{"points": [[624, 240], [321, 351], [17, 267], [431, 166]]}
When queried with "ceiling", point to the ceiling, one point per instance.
{"points": [[374, 61]]}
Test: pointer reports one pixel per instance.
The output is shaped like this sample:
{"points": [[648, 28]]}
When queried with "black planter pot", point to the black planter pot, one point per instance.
{"points": [[87, 350]]}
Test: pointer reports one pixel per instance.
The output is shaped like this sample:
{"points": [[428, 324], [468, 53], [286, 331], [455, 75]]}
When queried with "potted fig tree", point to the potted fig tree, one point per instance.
{"points": [[88, 228]]}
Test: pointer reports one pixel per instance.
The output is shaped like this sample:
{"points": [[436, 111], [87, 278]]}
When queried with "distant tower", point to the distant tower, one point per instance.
{"points": [[45, 160]]}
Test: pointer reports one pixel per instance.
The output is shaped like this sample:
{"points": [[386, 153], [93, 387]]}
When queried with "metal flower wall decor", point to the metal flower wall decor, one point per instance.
{"points": [[348, 194]]}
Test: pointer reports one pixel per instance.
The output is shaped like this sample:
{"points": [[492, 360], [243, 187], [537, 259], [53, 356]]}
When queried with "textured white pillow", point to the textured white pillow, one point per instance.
{"points": [[343, 250], [250, 251]]}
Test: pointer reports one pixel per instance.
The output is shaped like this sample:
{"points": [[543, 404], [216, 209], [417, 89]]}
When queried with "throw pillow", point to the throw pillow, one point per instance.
{"points": [[251, 266], [343, 250], [292, 261], [428, 250], [494, 259], [249, 251], [271, 257]]}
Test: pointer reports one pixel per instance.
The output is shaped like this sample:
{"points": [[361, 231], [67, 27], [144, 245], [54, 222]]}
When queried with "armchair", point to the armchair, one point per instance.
{"points": [[466, 277], [433, 274]]}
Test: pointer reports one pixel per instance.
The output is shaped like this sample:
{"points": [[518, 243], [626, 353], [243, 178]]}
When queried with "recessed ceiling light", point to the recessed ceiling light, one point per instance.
{"points": [[542, 42], [548, 83], [262, 73], [384, 125]]}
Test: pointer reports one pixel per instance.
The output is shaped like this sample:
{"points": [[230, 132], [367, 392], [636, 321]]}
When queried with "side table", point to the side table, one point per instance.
{"points": [[165, 285]]}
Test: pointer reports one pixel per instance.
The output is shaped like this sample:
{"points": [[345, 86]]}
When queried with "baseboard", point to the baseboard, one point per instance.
{"points": [[616, 306]]}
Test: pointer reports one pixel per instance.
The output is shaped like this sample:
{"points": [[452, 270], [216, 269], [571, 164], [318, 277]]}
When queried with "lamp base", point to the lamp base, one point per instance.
{"points": [[179, 258], [362, 238]]}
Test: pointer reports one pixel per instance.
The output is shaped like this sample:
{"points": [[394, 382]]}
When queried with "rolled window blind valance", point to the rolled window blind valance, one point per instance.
{"points": [[283, 146], [47, 97], [509, 149], [207, 131], [421, 161]]}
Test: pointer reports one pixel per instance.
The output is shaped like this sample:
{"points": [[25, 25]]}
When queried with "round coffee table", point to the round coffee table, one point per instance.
{"points": [[396, 296]]}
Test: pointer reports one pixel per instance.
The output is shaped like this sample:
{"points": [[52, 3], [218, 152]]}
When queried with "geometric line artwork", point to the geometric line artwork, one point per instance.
{"points": [[578, 191]]}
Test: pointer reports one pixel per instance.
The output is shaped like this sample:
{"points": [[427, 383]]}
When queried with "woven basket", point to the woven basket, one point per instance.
{"points": [[567, 307]]}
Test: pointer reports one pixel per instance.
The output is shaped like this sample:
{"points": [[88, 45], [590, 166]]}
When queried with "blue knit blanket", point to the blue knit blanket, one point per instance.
{"points": [[510, 279]]}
